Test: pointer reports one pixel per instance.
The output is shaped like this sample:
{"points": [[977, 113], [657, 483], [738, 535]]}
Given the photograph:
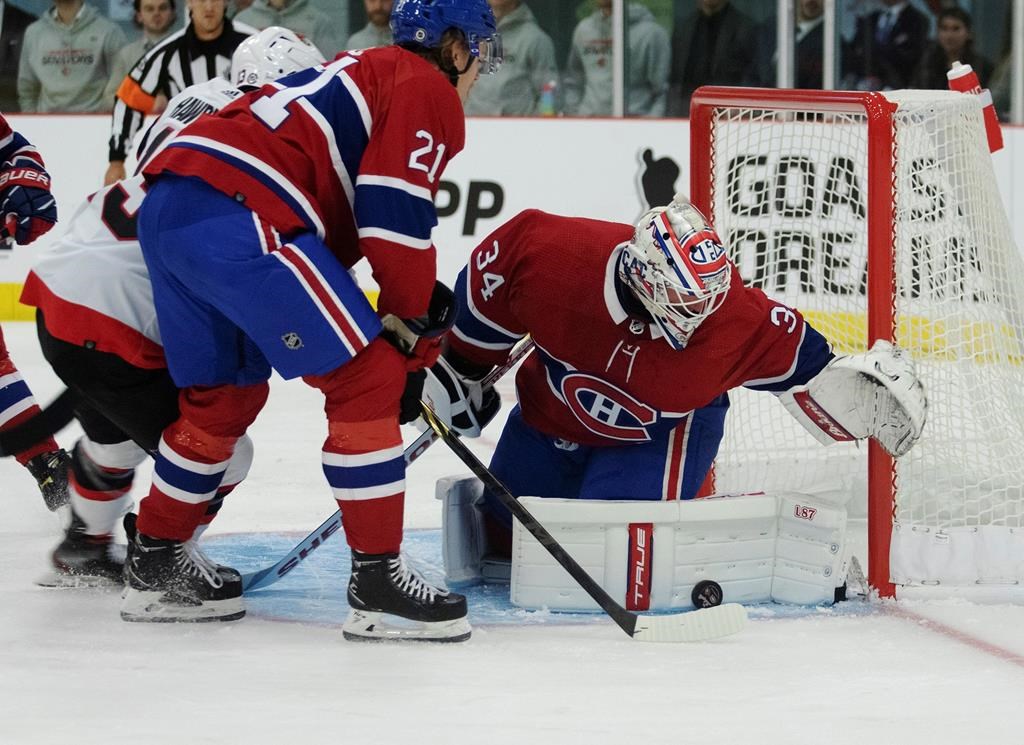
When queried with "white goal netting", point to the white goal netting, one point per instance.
{"points": [[791, 193]]}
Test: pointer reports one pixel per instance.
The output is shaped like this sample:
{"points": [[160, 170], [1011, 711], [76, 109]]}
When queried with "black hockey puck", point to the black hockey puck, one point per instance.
{"points": [[706, 594]]}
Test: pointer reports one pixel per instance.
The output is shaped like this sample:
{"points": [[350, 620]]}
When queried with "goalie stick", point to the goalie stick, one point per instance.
{"points": [[691, 626], [269, 575]]}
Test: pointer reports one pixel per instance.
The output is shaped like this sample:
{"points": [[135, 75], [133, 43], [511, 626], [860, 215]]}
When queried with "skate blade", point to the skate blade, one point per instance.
{"points": [[57, 579], [148, 606], [370, 626]]}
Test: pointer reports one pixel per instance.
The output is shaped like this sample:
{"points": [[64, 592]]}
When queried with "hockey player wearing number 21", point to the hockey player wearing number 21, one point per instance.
{"points": [[640, 334], [252, 219]]}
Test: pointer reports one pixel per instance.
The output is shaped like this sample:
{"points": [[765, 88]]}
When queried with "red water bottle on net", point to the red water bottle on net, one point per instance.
{"points": [[962, 78]]}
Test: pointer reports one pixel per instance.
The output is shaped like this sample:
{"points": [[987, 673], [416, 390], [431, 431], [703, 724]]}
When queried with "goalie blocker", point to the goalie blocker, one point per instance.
{"points": [[785, 548]]}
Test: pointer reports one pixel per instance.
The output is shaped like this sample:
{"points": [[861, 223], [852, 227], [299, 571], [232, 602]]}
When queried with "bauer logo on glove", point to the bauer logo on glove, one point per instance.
{"points": [[26, 205]]}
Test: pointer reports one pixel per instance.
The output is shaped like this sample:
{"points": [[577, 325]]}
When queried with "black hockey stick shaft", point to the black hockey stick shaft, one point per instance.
{"points": [[624, 618], [55, 417], [269, 575]]}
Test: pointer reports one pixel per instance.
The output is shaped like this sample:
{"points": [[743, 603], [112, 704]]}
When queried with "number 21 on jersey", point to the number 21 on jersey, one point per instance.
{"points": [[421, 160]]}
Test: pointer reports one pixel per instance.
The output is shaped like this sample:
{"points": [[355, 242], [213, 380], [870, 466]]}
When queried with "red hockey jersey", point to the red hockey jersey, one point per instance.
{"points": [[353, 151], [600, 377]]}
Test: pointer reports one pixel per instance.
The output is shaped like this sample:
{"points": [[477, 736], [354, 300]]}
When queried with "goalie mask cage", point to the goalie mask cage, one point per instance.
{"points": [[877, 215]]}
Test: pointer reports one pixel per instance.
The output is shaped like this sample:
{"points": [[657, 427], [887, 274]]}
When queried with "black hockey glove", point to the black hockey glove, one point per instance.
{"points": [[409, 408], [419, 339]]}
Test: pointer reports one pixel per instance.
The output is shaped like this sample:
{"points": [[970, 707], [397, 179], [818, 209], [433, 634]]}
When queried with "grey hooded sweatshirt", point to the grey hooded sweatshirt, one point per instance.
{"points": [[529, 65], [65, 68], [300, 16], [588, 73]]}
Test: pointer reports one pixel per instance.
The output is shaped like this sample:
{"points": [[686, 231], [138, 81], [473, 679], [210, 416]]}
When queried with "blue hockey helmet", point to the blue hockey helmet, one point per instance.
{"points": [[425, 22]]}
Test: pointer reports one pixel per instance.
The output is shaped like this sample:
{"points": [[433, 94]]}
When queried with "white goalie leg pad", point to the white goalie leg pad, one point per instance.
{"points": [[463, 540], [876, 394], [464, 546], [787, 548], [811, 555]]}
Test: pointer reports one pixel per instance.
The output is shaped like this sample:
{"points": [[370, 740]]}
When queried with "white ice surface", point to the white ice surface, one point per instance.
{"points": [[72, 673]]}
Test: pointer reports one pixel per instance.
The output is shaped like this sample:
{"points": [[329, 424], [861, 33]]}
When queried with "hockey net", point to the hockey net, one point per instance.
{"points": [[878, 216]]}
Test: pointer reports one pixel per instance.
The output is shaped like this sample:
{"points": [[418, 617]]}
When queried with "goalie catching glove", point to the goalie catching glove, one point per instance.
{"points": [[453, 389], [876, 394]]}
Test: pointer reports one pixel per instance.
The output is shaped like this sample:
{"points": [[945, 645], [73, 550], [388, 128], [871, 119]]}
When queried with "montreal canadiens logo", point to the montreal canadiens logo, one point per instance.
{"points": [[704, 248], [606, 410]]}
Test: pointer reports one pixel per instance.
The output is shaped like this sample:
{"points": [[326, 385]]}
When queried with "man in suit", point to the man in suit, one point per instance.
{"points": [[712, 46], [810, 42], [886, 48]]}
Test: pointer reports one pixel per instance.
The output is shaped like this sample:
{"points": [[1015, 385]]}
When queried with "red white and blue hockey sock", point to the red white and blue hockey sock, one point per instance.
{"points": [[194, 456], [17, 405], [100, 482], [238, 469], [364, 465], [190, 466]]}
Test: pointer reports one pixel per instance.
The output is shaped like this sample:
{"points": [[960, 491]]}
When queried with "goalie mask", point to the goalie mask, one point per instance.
{"points": [[677, 268]]}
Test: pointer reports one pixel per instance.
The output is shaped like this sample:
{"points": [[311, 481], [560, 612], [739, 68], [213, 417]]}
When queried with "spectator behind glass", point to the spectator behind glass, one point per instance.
{"points": [[886, 48], [810, 44], [376, 33], [13, 23], [200, 51], [528, 68], [714, 45], [66, 59], [954, 42], [299, 16], [155, 18], [1001, 74], [588, 73]]}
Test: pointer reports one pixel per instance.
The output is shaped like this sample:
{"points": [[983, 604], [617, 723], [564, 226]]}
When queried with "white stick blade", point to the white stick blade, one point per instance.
{"points": [[694, 626]]}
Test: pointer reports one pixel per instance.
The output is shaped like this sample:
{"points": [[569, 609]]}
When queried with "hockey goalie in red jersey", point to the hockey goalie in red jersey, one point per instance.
{"points": [[640, 333]]}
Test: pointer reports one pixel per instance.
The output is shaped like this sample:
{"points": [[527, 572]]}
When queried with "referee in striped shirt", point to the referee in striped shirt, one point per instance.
{"points": [[197, 53]]}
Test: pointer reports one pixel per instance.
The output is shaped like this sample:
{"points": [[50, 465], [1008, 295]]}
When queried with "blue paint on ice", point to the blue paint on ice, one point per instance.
{"points": [[314, 592]]}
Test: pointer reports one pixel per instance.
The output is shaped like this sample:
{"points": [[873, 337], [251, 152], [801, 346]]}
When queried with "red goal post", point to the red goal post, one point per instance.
{"points": [[877, 215]]}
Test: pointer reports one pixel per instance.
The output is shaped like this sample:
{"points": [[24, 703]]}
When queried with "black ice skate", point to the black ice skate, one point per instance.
{"points": [[50, 470], [82, 560], [173, 581], [390, 601]]}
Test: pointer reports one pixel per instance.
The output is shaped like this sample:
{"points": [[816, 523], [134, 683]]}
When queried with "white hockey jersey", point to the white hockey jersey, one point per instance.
{"points": [[182, 110], [93, 285]]}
